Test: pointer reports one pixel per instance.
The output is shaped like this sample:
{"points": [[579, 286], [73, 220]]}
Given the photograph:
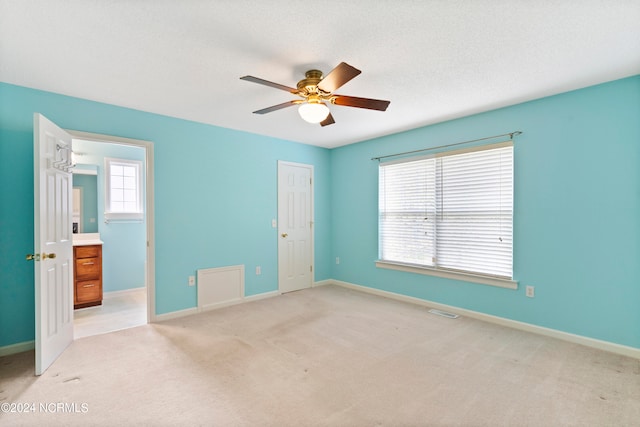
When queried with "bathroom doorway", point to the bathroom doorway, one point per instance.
{"points": [[113, 214]]}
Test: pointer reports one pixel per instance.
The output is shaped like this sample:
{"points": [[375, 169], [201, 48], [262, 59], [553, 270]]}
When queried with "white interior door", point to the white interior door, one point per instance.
{"points": [[53, 252], [295, 223]]}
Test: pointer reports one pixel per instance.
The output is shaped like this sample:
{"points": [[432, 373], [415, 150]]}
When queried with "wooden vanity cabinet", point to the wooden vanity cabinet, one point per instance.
{"points": [[87, 276]]}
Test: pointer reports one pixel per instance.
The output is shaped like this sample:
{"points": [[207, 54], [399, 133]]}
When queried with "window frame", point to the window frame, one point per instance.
{"points": [[138, 214], [475, 277]]}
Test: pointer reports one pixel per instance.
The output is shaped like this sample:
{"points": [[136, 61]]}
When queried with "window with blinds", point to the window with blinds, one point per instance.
{"points": [[452, 211]]}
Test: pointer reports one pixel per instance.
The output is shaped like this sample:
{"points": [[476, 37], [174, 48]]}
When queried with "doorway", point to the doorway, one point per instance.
{"points": [[53, 238], [127, 294]]}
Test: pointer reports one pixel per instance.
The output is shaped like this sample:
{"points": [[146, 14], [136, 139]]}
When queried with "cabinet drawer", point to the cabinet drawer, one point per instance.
{"points": [[88, 268], [87, 251], [88, 290]]}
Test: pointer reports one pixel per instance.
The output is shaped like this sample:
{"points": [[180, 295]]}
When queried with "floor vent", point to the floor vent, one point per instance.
{"points": [[444, 313]]}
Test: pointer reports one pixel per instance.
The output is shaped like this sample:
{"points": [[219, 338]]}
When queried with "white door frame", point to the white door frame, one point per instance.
{"points": [[312, 219], [150, 267]]}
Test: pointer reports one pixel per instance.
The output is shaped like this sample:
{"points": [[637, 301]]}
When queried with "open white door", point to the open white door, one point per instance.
{"points": [[295, 222], [53, 252]]}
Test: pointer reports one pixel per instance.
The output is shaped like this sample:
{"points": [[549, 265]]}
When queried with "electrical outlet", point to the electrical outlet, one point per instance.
{"points": [[192, 280], [337, 260], [258, 271], [530, 291]]}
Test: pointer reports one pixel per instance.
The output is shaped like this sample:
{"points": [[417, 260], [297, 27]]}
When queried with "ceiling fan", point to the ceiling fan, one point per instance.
{"points": [[316, 90]]}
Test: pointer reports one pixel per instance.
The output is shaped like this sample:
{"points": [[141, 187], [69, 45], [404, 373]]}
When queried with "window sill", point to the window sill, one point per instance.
{"points": [[121, 217], [467, 277]]}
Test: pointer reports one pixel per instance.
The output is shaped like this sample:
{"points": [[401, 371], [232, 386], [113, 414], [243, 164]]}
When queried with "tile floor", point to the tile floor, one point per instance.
{"points": [[119, 310]]}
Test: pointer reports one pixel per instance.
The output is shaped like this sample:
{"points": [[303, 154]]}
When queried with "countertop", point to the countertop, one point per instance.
{"points": [[86, 239]]}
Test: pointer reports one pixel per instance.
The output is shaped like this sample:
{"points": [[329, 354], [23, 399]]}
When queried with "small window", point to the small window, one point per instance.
{"points": [[451, 211], [123, 189]]}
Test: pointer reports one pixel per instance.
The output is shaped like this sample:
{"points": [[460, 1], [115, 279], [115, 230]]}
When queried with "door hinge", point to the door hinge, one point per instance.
{"points": [[311, 268]]}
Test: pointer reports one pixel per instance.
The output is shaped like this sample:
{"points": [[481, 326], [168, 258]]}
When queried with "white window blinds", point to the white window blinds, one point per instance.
{"points": [[452, 211]]}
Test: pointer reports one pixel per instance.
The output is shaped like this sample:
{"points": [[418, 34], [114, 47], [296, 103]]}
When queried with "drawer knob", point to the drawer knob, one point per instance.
{"points": [[91, 285], [88, 263]]}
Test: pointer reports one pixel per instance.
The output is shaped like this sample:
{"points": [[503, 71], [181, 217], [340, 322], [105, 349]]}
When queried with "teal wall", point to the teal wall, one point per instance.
{"points": [[576, 213], [215, 197], [124, 250], [576, 227]]}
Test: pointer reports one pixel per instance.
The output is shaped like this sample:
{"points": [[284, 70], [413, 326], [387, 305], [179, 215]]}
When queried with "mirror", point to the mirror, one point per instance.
{"points": [[85, 199]]}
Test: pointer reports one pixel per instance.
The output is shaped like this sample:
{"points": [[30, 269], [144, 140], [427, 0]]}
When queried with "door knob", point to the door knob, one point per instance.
{"points": [[284, 235], [36, 257]]}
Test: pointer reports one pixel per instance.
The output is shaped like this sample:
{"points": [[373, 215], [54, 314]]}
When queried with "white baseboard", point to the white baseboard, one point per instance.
{"points": [[196, 310], [222, 304], [112, 294], [528, 327], [263, 295], [175, 314], [17, 348], [322, 283]]}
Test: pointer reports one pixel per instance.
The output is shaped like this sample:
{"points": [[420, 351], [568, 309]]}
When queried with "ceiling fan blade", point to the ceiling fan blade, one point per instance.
{"points": [[337, 77], [276, 107], [328, 121], [352, 101], [268, 83]]}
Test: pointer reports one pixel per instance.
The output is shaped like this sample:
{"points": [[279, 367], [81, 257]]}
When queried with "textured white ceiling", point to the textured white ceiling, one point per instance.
{"points": [[434, 60]]}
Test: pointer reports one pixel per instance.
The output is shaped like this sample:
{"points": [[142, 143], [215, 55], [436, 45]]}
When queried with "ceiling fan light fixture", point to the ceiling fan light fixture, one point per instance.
{"points": [[313, 112], [316, 90]]}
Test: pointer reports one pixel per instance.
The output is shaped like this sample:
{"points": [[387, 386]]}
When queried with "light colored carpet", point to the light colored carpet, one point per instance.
{"points": [[326, 356]]}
